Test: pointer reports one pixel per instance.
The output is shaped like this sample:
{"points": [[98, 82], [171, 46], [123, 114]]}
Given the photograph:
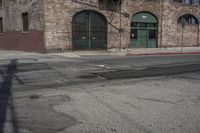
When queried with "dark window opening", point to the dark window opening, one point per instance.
{"points": [[110, 4], [195, 2], [25, 21], [134, 33], [1, 25], [178, 1], [188, 19], [152, 34], [143, 24], [134, 24], [1, 3], [152, 25], [188, 1]]}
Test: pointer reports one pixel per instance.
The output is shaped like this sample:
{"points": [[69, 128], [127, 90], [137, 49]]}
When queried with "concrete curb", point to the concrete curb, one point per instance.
{"points": [[164, 53]]}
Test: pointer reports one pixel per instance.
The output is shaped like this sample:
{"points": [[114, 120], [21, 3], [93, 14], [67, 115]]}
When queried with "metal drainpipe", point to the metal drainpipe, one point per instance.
{"points": [[89, 31], [198, 44], [182, 27], [198, 36], [161, 23], [120, 25]]}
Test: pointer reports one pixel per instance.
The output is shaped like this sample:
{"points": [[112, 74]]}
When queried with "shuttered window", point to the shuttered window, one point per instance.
{"points": [[25, 21], [1, 25]]}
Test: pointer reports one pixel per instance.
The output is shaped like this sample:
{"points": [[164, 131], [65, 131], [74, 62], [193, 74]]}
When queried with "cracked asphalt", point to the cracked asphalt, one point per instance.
{"points": [[55, 94]]}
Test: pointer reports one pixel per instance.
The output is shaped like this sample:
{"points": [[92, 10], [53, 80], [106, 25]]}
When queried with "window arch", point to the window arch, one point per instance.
{"points": [[188, 19]]}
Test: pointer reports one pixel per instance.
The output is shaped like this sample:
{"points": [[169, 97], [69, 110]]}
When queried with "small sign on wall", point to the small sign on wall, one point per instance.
{"points": [[144, 17], [84, 1]]}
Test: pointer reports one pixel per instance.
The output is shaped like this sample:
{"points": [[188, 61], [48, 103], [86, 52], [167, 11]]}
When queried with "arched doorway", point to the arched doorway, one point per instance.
{"points": [[188, 31], [144, 30], [89, 29]]}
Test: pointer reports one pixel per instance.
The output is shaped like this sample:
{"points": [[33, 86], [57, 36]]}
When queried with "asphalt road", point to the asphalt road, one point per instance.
{"points": [[55, 94], [135, 61]]}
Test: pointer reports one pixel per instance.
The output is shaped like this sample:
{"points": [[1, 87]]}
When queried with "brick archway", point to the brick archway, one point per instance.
{"points": [[144, 30], [89, 30]]}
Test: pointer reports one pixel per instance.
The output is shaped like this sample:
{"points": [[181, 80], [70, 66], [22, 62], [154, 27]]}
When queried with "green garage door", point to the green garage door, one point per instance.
{"points": [[89, 30], [144, 31]]}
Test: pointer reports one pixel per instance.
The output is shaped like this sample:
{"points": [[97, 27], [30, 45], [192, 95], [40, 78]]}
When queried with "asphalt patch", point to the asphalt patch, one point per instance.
{"points": [[34, 96], [91, 76], [39, 116], [150, 72], [28, 67]]}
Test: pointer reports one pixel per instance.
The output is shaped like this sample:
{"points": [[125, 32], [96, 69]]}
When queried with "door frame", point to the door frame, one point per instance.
{"points": [[105, 32], [147, 28]]}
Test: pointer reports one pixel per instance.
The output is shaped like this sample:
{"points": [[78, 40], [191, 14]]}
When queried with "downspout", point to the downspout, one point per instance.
{"points": [[161, 23], [198, 44], [120, 25], [44, 26], [198, 36]]}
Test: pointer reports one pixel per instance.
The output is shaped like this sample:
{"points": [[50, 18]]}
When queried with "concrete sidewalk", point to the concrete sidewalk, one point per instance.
{"points": [[164, 51], [132, 52], [109, 52]]}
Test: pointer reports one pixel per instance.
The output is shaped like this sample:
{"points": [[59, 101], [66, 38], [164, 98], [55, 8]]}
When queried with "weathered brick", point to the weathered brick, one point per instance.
{"points": [[54, 18]]}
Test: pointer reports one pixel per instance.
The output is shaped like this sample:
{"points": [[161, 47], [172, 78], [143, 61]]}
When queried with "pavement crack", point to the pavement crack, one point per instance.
{"points": [[155, 100], [124, 116], [133, 106]]}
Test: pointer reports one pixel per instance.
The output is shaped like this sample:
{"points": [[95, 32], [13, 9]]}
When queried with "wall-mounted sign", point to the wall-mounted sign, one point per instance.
{"points": [[84, 1], [144, 17]]}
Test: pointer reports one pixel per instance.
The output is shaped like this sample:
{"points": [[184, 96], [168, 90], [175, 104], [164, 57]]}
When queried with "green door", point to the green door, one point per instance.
{"points": [[144, 31], [142, 39], [89, 30]]}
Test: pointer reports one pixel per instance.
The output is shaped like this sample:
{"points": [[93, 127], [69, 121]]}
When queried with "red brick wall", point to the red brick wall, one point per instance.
{"points": [[32, 41]]}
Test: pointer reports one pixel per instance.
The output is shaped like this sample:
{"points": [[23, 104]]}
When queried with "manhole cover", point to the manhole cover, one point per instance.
{"points": [[88, 76]]}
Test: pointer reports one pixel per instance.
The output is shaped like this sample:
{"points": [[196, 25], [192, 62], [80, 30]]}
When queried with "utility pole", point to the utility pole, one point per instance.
{"points": [[161, 23], [182, 31], [120, 25]]}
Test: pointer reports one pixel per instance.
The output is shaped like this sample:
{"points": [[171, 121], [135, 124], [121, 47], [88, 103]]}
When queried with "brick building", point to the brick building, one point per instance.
{"points": [[60, 25]]}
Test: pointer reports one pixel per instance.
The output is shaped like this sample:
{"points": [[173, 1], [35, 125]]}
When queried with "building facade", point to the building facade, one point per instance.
{"points": [[56, 26]]}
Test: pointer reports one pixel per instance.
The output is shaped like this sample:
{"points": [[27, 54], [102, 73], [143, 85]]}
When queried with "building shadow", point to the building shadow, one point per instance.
{"points": [[6, 97]]}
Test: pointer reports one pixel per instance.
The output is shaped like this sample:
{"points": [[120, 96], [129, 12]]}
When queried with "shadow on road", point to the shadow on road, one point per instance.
{"points": [[6, 98]]}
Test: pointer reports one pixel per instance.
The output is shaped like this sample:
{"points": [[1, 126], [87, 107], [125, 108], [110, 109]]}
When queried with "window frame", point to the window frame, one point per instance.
{"points": [[1, 3], [25, 22], [184, 2], [1, 25], [188, 19]]}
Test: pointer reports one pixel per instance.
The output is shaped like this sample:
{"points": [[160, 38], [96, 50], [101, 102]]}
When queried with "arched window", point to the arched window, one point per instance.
{"points": [[188, 19]]}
